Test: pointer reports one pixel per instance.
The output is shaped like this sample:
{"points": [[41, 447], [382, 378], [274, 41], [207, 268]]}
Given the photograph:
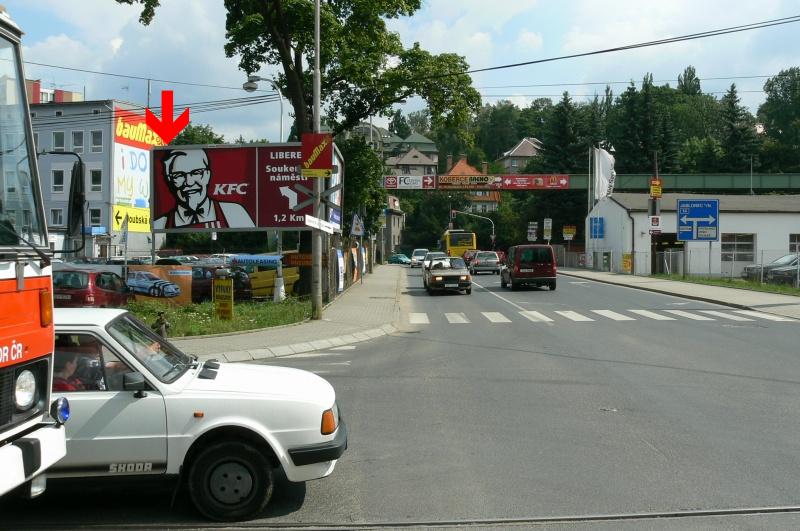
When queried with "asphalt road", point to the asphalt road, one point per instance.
{"points": [[589, 400]]}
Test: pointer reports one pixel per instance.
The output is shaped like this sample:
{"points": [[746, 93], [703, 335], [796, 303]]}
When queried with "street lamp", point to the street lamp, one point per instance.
{"points": [[251, 85]]}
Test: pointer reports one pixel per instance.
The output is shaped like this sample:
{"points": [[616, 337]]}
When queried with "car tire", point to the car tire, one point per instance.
{"points": [[153, 291], [220, 472], [503, 283], [553, 286], [468, 291], [514, 286]]}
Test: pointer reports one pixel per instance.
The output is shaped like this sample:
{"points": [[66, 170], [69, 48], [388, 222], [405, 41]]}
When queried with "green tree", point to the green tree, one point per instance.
{"points": [[427, 215], [365, 67], [363, 192], [533, 119], [561, 146], [496, 128], [698, 155], [197, 134], [780, 114], [420, 122], [738, 133], [688, 82], [399, 125]]}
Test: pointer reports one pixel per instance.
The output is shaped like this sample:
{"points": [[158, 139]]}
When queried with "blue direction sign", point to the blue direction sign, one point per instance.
{"points": [[698, 220]]}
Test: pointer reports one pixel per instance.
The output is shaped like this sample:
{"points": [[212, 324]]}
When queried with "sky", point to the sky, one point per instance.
{"points": [[185, 42]]}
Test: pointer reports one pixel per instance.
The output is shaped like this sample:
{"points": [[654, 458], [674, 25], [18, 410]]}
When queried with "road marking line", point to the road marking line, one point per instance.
{"points": [[536, 317], [456, 318], [496, 317], [762, 315], [652, 315], [574, 316], [515, 305], [418, 318], [613, 315], [724, 315], [693, 316], [314, 355], [345, 347], [578, 282]]}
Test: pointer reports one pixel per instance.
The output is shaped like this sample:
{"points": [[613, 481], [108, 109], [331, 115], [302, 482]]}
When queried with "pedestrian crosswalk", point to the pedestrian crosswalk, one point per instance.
{"points": [[590, 316]]}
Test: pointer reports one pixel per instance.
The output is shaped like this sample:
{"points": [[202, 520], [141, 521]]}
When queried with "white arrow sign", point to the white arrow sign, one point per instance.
{"points": [[686, 219], [317, 223]]}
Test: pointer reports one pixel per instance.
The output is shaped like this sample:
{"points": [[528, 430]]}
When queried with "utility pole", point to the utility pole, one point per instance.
{"points": [[316, 234]]}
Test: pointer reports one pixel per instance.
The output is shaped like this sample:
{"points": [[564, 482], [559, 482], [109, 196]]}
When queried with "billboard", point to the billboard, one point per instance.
{"points": [[477, 182], [533, 182], [229, 188], [409, 182], [131, 168]]}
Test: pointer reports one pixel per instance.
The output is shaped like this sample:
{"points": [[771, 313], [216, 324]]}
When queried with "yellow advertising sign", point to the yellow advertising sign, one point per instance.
{"points": [[138, 218], [223, 298], [627, 262]]}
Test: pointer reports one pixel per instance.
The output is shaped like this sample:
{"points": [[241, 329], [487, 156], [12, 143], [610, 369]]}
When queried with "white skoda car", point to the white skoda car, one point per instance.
{"points": [[141, 407]]}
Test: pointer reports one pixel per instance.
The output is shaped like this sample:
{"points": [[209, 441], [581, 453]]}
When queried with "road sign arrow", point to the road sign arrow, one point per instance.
{"points": [[686, 219], [166, 127], [118, 218]]}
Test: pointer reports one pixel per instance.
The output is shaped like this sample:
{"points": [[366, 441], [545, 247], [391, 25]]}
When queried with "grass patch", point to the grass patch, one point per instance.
{"points": [[738, 283], [199, 319]]}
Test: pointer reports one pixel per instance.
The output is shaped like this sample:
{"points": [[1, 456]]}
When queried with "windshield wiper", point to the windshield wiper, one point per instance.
{"points": [[192, 365], [44, 257]]}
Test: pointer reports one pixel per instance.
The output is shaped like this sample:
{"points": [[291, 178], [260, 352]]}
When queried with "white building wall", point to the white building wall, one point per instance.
{"points": [[771, 240]]}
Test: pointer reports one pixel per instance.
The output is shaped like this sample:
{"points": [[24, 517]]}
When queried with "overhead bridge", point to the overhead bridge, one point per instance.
{"points": [[696, 182]]}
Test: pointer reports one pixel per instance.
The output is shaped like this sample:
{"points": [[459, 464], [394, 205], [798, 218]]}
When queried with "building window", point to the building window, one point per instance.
{"points": [[97, 141], [33, 115], [738, 247], [11, 179], [77, 141], [95, 111], [94, 216], [26, 218], [56, 217], [11, 215], [96, 180], [58, 181], [483, 207], [513, 163], [58, 140], [59, 113], [794, 243], [45, 97]]}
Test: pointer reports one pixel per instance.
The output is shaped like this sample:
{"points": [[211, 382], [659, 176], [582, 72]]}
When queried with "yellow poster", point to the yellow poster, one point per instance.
{"points": [[627, 262], [223, 298]]}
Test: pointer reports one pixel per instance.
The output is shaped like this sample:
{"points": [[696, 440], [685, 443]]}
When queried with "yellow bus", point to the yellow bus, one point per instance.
{"points": [[456, 242]]}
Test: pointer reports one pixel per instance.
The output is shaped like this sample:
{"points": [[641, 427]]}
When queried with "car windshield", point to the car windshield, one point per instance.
{"points": [[161, 358], [70, 280], [420, 252], [448, 263], [487, 256], [785, 260]]}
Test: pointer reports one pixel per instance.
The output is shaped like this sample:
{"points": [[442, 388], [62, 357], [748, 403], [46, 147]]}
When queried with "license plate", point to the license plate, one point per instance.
{"points": [[451, 285], [62, 297], [526, 270]]}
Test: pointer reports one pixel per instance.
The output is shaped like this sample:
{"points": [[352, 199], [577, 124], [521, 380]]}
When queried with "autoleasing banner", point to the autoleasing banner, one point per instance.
{"points": [[229, 188]]}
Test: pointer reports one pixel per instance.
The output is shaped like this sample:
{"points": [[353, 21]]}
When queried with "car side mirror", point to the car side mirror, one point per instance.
{"points": [[133, 381]]}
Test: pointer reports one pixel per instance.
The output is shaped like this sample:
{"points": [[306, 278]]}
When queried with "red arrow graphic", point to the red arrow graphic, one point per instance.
{"points": [[166, 128]]}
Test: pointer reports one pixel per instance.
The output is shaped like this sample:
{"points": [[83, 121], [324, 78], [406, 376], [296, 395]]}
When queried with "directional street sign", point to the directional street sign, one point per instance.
{"points": [[698, 220], [548, 229]]}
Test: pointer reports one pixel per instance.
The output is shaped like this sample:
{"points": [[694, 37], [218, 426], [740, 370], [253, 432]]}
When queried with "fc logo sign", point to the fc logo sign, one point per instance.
{"points": [[230, 188]]}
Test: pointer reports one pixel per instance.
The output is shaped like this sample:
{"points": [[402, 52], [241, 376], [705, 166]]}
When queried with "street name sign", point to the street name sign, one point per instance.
{"points": [[698, 220], [548, 229]]}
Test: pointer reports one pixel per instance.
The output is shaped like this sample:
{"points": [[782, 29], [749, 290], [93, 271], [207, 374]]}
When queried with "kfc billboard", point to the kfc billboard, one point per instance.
{"points": [[228, 188]]}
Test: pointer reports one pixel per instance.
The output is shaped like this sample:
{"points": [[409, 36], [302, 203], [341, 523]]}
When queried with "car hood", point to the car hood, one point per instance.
{"points": [[266, 380], [448, 272]]}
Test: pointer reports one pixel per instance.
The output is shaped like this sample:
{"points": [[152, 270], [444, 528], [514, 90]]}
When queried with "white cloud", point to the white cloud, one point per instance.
{"points": [[528, 41], [116, 44]]}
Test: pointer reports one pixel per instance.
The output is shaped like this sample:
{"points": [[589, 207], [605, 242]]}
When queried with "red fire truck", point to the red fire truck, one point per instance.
{"points": [[32, 436]]}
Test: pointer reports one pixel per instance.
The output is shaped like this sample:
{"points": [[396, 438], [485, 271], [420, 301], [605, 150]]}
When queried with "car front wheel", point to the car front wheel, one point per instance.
{"points": [[230, 481]]}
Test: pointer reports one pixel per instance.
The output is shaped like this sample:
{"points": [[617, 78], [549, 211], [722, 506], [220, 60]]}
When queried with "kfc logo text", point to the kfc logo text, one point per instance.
{"points": [[231, 188]]}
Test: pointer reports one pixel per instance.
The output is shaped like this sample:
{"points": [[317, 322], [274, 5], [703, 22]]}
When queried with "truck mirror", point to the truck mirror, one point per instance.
{"points": [[133, 381]]}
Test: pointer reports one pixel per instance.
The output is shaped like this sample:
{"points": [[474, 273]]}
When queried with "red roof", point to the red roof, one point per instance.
{"points": [[463, 168]]}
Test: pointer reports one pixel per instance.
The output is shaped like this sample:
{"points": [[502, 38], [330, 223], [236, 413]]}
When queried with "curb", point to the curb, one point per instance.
{"points": [[299, 348], [661, 291], [239, 332]]}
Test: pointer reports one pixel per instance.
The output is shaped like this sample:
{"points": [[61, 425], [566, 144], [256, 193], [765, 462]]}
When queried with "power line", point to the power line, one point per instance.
{"points": [[141, 78], [670, 40], [593, 95], [587, 83]]}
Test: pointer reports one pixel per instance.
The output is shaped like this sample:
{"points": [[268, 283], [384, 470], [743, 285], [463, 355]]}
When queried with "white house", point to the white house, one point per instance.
{"points": [[752, 229]]}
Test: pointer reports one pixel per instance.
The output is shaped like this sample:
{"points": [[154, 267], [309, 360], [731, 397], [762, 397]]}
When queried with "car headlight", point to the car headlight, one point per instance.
{"points": [[437, 278], [25, 390], [464, 277]]}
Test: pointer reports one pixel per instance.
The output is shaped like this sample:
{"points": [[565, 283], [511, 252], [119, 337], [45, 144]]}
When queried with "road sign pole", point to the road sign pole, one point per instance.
{"points": [[316, 234], [709, 257]]}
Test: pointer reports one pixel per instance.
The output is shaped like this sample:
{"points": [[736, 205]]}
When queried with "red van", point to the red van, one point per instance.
{"points": [[529, 265]]}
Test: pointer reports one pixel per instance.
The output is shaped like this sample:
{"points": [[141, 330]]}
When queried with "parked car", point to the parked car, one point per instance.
{"points": [[485, 261], [399, 259], [426, 261], [529, 265], [469, 255], [753, 272], [203, 281], [78, 288], [150, 284], [417, 256], [140, 407], [447, 274], [782, 275]]}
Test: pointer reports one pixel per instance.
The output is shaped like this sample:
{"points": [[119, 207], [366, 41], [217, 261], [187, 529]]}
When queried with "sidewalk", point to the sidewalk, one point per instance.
{"points": [[783, 305], [363, 312]]}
